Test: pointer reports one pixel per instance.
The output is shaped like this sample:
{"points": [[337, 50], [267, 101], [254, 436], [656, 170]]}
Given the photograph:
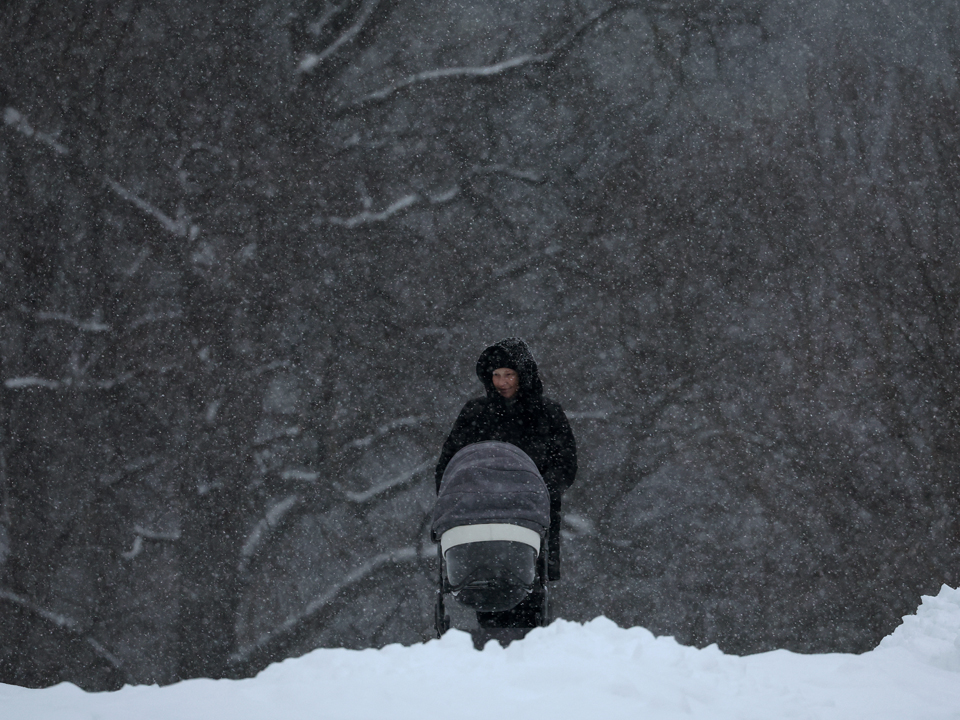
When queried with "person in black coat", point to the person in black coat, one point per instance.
{"points": [[514, 410]]}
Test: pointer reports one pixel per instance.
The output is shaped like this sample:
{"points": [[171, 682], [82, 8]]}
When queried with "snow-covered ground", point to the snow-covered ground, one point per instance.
{"points": [[564, 671]]}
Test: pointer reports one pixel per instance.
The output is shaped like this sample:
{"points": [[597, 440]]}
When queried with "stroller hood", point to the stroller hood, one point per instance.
{"points": [[491, 482]]}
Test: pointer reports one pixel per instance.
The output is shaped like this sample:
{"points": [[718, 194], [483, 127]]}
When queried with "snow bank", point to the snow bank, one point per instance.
{"points": [[932, 636], [567, 670]]}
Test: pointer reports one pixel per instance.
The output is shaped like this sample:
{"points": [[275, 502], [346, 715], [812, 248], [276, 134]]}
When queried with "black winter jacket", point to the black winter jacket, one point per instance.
{"points": [[532, 422]]}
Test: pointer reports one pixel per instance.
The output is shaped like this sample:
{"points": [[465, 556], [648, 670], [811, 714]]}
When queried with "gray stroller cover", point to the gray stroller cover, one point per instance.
{"points": [[491, 482]]}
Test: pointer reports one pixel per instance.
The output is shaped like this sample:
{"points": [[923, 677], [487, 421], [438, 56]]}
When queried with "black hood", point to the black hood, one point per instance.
{"points": [[511, 353]]}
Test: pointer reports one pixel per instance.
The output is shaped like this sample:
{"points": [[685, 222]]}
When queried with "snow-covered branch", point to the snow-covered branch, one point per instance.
{"points": [[311, 60], [91, 325], [262, 529], [288, 626], [31, 381], [56, 618], [531, 176], [19, 123], [368, 217], [522, 264], [588, 415], [154, 318], [65, 622], [452, 72], [287, 431], [494, 69], [388, 427], [148, 534], [134, 550], [388, 484], [179, 227], [269, 367], [142, 533], [299, 475], [317, 26]]}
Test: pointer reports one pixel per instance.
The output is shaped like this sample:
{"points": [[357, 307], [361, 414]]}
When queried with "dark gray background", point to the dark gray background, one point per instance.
{"points": [[250, 252]]}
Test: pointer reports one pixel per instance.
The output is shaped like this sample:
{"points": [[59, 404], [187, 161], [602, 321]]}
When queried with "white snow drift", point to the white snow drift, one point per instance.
{"points": [[566, 670]]}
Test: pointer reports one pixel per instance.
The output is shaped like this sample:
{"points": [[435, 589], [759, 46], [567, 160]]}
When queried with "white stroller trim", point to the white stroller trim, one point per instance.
{"points": [[488, 532]]}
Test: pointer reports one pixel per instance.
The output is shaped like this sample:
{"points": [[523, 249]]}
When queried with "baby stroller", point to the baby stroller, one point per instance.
{"points": [[491, 522]]}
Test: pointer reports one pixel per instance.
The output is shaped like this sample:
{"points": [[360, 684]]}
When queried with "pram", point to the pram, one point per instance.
{"points": [[491, 522]]}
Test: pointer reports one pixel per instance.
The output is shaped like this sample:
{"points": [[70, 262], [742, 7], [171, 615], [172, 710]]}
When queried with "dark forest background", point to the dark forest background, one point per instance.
{"points": [[251, 250]]}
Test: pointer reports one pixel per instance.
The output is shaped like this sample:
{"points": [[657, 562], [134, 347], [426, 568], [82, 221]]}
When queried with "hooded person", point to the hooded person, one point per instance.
{"points": [[514, 410]]}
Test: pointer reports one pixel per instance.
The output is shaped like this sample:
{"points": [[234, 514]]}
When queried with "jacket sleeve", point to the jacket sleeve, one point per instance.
{"points": [[460, 436], [562, 451]]}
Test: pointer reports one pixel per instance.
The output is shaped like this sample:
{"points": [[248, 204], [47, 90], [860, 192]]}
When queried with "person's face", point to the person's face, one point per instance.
{"points": [[506, 381]]}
